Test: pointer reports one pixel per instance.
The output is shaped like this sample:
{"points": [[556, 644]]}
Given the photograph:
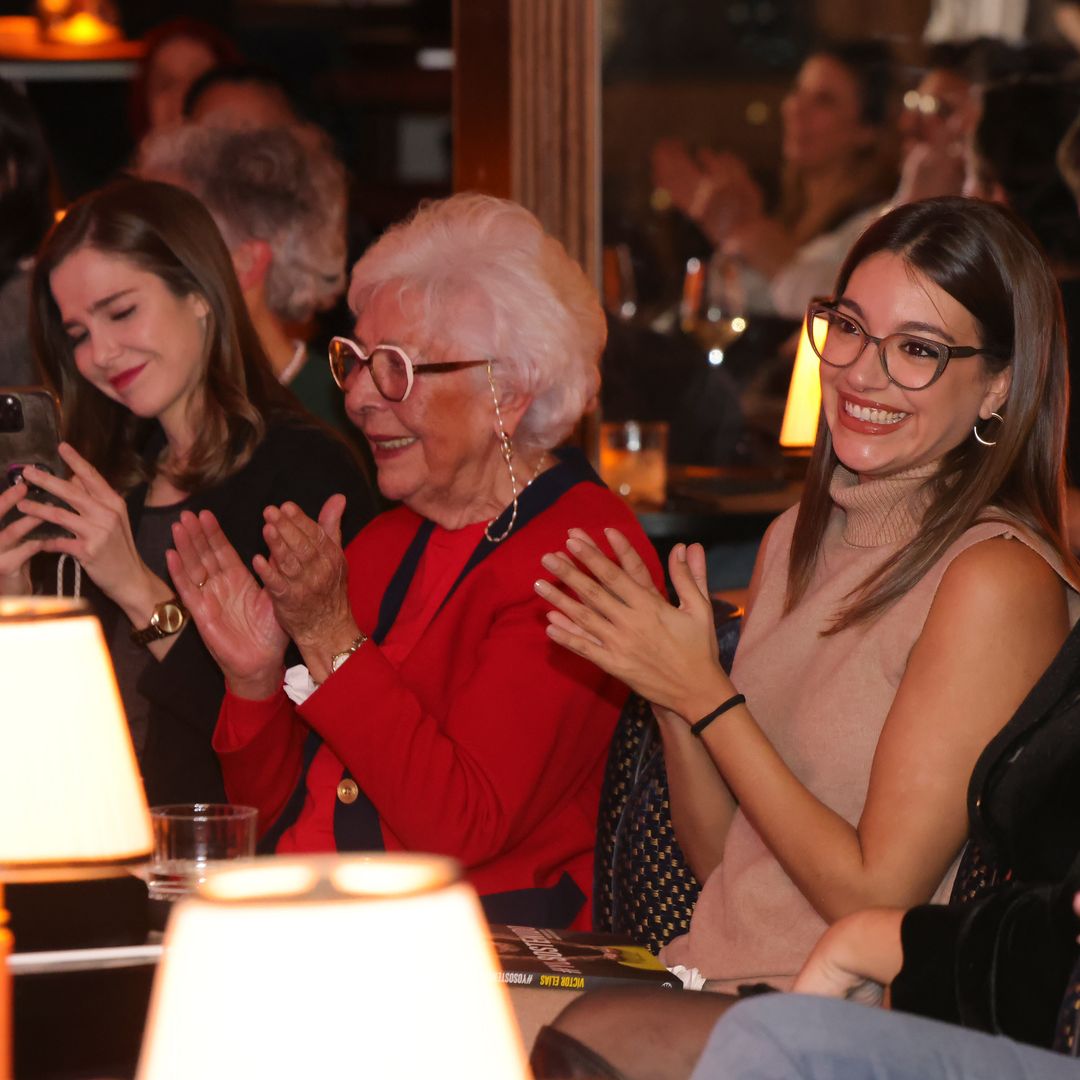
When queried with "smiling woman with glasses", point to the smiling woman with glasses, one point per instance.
{"points": [[897, 616], [431, 712], [910, 361]]}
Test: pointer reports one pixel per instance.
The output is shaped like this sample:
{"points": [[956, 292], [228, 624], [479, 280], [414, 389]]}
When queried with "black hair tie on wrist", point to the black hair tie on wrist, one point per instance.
{"points": [[705, 721]]}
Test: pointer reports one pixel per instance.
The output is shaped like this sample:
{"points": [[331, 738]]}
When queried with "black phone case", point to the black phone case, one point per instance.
{"points": [[34, 443]]}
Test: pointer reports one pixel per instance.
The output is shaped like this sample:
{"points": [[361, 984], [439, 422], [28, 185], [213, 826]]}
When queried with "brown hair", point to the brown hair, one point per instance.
{"points": [[983, 257], [166, 232], [871, 175]]}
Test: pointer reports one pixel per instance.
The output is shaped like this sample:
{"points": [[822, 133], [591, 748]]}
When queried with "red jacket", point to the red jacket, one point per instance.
{"points": [[489, 742]]}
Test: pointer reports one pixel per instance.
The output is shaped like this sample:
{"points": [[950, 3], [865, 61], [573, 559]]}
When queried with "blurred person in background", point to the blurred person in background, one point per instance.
{"points": [[837, 164], [177, 54], [279, 197], [936, 122], [1014, 159], [26, 212], [240, 95]]}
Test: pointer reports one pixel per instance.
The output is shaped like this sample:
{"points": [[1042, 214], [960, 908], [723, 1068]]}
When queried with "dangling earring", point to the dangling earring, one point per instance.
{"points": [[975, 429], [507, 448]]}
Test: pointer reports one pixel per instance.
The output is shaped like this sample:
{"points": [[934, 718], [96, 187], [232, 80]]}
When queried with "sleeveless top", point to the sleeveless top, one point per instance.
{"points": [[822, 702]]}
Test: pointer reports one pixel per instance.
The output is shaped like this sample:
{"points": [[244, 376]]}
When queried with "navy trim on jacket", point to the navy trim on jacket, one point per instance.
{"points": [[356, 824]]}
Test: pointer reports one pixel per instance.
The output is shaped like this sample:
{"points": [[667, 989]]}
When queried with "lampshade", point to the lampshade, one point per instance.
{"points": [[78, 22], [799, 429], [71, 801], [362, 966]]}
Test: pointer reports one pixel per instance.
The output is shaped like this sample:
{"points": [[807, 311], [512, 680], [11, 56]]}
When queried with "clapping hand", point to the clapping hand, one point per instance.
{"points": [[622, 624], [930, 170], [760, 242], [675, 170], [713, 189], [737, 191], [306, 577], [234, 614]]}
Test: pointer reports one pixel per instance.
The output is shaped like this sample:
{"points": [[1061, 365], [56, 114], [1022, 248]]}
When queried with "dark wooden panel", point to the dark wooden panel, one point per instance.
{"points": [[481, 96]]}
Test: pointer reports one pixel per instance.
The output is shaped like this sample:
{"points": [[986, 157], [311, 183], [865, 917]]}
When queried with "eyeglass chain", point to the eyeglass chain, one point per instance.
{"points": [[507, 448]]}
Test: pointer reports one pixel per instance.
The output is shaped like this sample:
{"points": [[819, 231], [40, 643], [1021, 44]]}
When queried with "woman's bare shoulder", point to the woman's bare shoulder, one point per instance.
{"points": [[1001, 569], [1004, 598]]}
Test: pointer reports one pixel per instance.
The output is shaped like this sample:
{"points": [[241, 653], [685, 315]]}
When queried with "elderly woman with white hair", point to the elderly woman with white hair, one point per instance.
{"points": [[434, 713], [278, 195]]}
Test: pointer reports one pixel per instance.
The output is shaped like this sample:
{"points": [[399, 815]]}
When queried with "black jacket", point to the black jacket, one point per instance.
{"points": [[1001, 957], [299, 463]]}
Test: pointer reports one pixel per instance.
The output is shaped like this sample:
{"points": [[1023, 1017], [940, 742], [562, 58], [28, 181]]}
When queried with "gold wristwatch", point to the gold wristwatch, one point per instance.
{"points": [[167, 618], [339, 658]]}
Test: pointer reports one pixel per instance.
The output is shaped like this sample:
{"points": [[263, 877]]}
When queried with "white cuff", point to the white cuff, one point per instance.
{"points": [[299, 685]]}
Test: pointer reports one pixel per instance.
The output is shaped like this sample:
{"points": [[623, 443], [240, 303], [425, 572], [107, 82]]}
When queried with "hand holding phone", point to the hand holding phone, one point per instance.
{"points": [[97, 532], [15, 548], [30, 436]]}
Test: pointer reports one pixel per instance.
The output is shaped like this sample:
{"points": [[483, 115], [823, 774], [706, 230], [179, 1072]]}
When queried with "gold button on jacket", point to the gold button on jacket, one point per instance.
{"points": [[348, 791]]}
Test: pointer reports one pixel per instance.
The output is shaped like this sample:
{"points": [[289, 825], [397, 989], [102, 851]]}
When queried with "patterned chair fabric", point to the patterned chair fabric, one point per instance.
{"points": [[974, 876], [643, 885], [1067, 1032]]}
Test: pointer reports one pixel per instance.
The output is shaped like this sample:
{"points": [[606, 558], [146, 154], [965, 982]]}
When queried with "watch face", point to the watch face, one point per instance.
{"points": [[168, 617], [339, 658]]}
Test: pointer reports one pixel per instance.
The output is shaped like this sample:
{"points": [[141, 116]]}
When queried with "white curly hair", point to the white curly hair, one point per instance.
{"points": [[488, 280]]}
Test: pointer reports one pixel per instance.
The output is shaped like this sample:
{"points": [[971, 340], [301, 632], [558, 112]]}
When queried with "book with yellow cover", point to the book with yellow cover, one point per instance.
{"points": [[571, 960]]}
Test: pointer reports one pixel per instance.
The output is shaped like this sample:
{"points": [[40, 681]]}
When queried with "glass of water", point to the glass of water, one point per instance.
{"points": [[633, 460], [190, 838]]}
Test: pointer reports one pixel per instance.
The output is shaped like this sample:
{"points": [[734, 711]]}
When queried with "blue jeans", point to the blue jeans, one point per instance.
{"points": [[795, 1037]]}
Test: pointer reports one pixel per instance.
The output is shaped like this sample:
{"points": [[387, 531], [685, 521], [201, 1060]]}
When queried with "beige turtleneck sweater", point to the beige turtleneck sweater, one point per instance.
{"points": [[822, 701]]}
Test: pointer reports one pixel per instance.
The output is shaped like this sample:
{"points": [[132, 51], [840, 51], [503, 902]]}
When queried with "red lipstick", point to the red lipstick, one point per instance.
{"points": [[125, 378]]}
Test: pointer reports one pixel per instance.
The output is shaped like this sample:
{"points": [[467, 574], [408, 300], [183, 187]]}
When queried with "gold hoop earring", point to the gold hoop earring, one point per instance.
{"points": [[507, 448], [975, 429]]}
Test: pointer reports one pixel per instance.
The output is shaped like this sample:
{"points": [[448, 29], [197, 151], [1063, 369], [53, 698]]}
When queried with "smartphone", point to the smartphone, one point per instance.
{"points": [[30, 435]]}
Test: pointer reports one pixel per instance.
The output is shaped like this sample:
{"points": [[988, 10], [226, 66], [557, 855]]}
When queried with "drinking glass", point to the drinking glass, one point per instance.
{"points": [[633, 460], [713, 305], [189, 838]]}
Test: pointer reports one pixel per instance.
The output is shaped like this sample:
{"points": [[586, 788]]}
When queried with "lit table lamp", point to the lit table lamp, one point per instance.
{"points": [[368, 966], [78, 22], [71, 801], [799, 429]]}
